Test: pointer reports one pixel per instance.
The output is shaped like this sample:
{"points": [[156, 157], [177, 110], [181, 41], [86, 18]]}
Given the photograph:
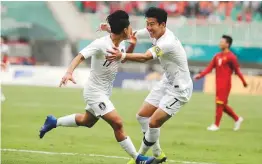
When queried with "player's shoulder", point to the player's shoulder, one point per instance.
{"points": [[232, 54], [100, 40], [100, 43], [168, 40], [218, 55], [170, 36]]}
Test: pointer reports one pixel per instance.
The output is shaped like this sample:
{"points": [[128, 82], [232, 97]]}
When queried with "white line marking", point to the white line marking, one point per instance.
{"points": [[92, 155]]}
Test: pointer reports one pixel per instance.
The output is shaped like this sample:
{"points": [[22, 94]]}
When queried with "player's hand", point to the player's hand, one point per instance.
{"points": [[104, 27], [132, 39], [67, 76], [245, 85], [123, 61], [115, 54], [197, 77]]}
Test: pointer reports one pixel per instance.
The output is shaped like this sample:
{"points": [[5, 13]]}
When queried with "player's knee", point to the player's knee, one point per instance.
{"points": [[117, 124], [80, 119], [154, 124]]}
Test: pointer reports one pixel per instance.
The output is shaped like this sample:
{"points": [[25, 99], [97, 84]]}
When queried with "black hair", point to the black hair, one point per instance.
{"points": [[228, 39], [158, 13], [118, 21]]}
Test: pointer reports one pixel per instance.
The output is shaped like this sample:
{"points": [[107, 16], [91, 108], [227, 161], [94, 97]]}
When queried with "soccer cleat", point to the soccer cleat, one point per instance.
{"points": [[238, 123], [161, 158], [50, 123], [131, 161], [144, 160], [213, 127]]}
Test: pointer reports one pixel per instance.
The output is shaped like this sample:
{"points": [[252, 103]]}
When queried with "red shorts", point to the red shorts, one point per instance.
{"points": [[222, 95]]}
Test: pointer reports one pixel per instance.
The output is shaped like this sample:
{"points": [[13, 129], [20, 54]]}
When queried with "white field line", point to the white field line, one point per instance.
{"points": [[92, 155]]}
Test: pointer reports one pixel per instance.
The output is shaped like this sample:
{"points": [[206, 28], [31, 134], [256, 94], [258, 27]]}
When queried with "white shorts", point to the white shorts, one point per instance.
{"points": [[169, 98], [99, 105]]}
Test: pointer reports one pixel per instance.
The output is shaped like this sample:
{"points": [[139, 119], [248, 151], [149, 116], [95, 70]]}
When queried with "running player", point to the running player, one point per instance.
{"points": [[99, 86], [175, 88]]}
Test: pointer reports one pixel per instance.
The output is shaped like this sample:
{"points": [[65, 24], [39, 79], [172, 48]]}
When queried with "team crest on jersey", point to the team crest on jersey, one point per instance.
{"points": [[158, 51], [102, 106]]}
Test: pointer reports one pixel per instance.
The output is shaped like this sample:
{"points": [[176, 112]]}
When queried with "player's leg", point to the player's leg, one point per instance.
{"points": [[146, 111], [87, 119], [227, 109], [230, 112], [115, 121], [169, 106], [238, 119], [220, 100], [152, 135], [106, 110], [74, 120], [143, 116], [219, 113]]}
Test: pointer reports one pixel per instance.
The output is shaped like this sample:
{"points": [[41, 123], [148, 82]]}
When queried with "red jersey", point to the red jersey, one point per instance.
{"points": [[225, 64]]}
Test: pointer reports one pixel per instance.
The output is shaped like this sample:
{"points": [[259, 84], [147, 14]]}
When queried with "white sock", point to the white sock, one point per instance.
{"points": [[156, 149], [150, 138], [144, 122], [68, 121], [152, 134], [143, 148], [129, 147]]}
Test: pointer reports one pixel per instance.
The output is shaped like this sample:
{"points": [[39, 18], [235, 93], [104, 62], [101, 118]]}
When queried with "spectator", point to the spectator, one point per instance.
{"points": [[213, 11], [205, 9], [90, 6]]}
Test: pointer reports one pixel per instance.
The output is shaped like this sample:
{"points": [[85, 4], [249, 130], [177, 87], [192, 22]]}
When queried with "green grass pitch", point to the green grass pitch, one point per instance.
{"points": [[183, 138]]}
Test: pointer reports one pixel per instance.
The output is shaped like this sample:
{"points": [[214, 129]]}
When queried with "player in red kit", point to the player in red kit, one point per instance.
{"points": [[225, 63]]}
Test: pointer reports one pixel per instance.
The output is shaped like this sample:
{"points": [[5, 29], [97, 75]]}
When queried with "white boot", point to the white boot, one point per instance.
{"points": [[213, 127], [238, 123]]}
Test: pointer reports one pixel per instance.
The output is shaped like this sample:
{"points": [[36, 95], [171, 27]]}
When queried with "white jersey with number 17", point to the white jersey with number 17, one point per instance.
{"points": [[103, 72]]}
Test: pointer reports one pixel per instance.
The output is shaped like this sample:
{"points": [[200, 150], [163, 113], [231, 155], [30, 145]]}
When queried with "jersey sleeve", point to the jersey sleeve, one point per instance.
{"points": [[142, 34], [161, 49], [209, 68], [90, 50], [237, 68], [122, 46]]}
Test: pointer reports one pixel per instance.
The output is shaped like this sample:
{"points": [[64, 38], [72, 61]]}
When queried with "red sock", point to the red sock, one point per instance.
{"points": [[219, 112], [230, 112]]}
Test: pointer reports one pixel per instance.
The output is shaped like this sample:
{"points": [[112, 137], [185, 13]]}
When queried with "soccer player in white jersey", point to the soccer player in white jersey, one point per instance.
{"points": [[175, 88], [4, 50], [98, 88]]}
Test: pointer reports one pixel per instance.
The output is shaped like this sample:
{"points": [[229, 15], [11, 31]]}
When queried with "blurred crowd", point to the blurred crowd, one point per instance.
{"points": [[215, 11]]}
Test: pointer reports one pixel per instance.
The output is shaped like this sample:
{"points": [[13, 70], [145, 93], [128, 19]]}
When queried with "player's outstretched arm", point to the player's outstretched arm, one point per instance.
{"points": [[132, 41], [138, 57], [237, 71], [207, 70], [69, 73]]}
